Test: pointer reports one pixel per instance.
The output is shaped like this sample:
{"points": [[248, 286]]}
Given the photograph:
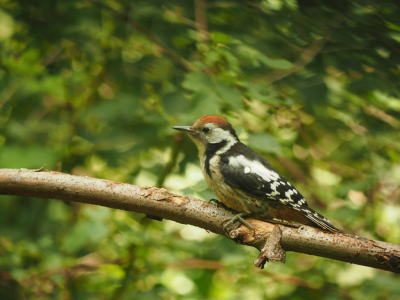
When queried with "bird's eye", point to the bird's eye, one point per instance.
{"points": [[206, 130]]}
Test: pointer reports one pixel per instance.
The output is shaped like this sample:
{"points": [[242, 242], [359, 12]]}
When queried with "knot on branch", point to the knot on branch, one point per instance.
{"points": [[390, 259], [272, 250]]}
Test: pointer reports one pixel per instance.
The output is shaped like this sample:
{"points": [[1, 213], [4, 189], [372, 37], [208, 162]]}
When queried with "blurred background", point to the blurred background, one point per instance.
{"points": [[93, 87]]}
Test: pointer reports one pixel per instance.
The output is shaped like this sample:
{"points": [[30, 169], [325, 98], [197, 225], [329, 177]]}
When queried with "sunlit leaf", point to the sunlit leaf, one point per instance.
{"points": [[264, 142]]}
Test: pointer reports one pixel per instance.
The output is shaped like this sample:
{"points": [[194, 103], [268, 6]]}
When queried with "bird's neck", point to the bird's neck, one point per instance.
{"points": [[211, 150]]}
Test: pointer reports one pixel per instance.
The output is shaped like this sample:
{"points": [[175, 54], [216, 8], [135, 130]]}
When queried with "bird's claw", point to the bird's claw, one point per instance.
{"points": [[238, 218], [218, 203]]}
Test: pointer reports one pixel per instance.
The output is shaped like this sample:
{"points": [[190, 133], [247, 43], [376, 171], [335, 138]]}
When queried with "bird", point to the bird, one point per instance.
{"points": [[244, 181]]}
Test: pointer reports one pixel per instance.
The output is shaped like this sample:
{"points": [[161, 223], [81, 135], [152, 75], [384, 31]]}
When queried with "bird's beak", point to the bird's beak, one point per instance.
{"points": [[184, 128]]}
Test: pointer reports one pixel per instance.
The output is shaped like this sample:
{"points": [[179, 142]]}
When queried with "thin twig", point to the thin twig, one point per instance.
{"points": [[306, 56], [41, 169], [201, 21], [172, 161]]}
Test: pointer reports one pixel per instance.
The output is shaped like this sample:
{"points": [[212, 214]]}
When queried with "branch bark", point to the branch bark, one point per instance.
{"points": [[269, 238]]}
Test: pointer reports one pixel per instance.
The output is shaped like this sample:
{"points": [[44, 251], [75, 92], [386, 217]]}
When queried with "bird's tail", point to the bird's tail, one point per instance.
{"points": [[318, 219]]}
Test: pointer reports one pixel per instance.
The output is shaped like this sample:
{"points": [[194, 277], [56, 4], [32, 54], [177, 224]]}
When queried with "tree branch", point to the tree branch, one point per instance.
{"points": [[187, 210], [201, 21]]}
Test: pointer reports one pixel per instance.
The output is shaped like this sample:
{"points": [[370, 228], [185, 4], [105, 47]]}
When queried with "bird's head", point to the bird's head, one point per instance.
{"points": [[210, 131]]}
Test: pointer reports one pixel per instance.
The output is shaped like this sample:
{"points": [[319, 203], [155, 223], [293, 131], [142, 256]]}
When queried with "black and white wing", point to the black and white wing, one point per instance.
{"points": [[257, 177]]}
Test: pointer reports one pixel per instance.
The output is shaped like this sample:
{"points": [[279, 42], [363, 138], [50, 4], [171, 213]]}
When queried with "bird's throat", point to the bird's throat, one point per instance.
{"points": [[209, 152]]}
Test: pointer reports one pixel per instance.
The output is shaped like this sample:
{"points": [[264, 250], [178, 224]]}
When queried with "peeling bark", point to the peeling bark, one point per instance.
{"points": [[272, 239], [272, 250]]}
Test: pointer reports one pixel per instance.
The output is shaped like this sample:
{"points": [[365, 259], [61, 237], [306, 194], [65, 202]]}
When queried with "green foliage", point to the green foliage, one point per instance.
{"points": [[93, 88]]}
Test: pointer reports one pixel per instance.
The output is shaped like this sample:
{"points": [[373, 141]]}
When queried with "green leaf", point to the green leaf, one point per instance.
{"points": [[112, 270], [205, 103], [263, 93], [324, 177], [212, 57], [280, 64], [230, 95], [264, 142], [7, 25], [255, 57], [197, 82], [223, 38], [390, 25], [233, 61]]}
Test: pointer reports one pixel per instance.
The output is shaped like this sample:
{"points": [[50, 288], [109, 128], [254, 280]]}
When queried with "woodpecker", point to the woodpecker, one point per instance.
{"points": [[243, 180]]}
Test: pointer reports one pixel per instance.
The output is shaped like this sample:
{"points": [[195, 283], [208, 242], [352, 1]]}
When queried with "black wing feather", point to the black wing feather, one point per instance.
{"points": [[255, 185]]}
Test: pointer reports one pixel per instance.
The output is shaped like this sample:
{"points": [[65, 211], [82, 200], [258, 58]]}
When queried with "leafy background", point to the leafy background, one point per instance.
{"points": [[93, 88]]}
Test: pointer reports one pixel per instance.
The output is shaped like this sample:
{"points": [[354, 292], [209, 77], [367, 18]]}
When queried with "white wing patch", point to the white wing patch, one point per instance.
{"points": [[255, 167], [269, 176], [273, 186], [302, 201]]}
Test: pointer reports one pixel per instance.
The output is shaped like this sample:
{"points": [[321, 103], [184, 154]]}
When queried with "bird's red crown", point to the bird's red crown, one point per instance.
{"points": [[217, 120]]}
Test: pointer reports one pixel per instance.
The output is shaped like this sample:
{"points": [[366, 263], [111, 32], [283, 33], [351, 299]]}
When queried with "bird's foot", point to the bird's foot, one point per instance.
{"points": [[219, 204], [238, 218]]}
